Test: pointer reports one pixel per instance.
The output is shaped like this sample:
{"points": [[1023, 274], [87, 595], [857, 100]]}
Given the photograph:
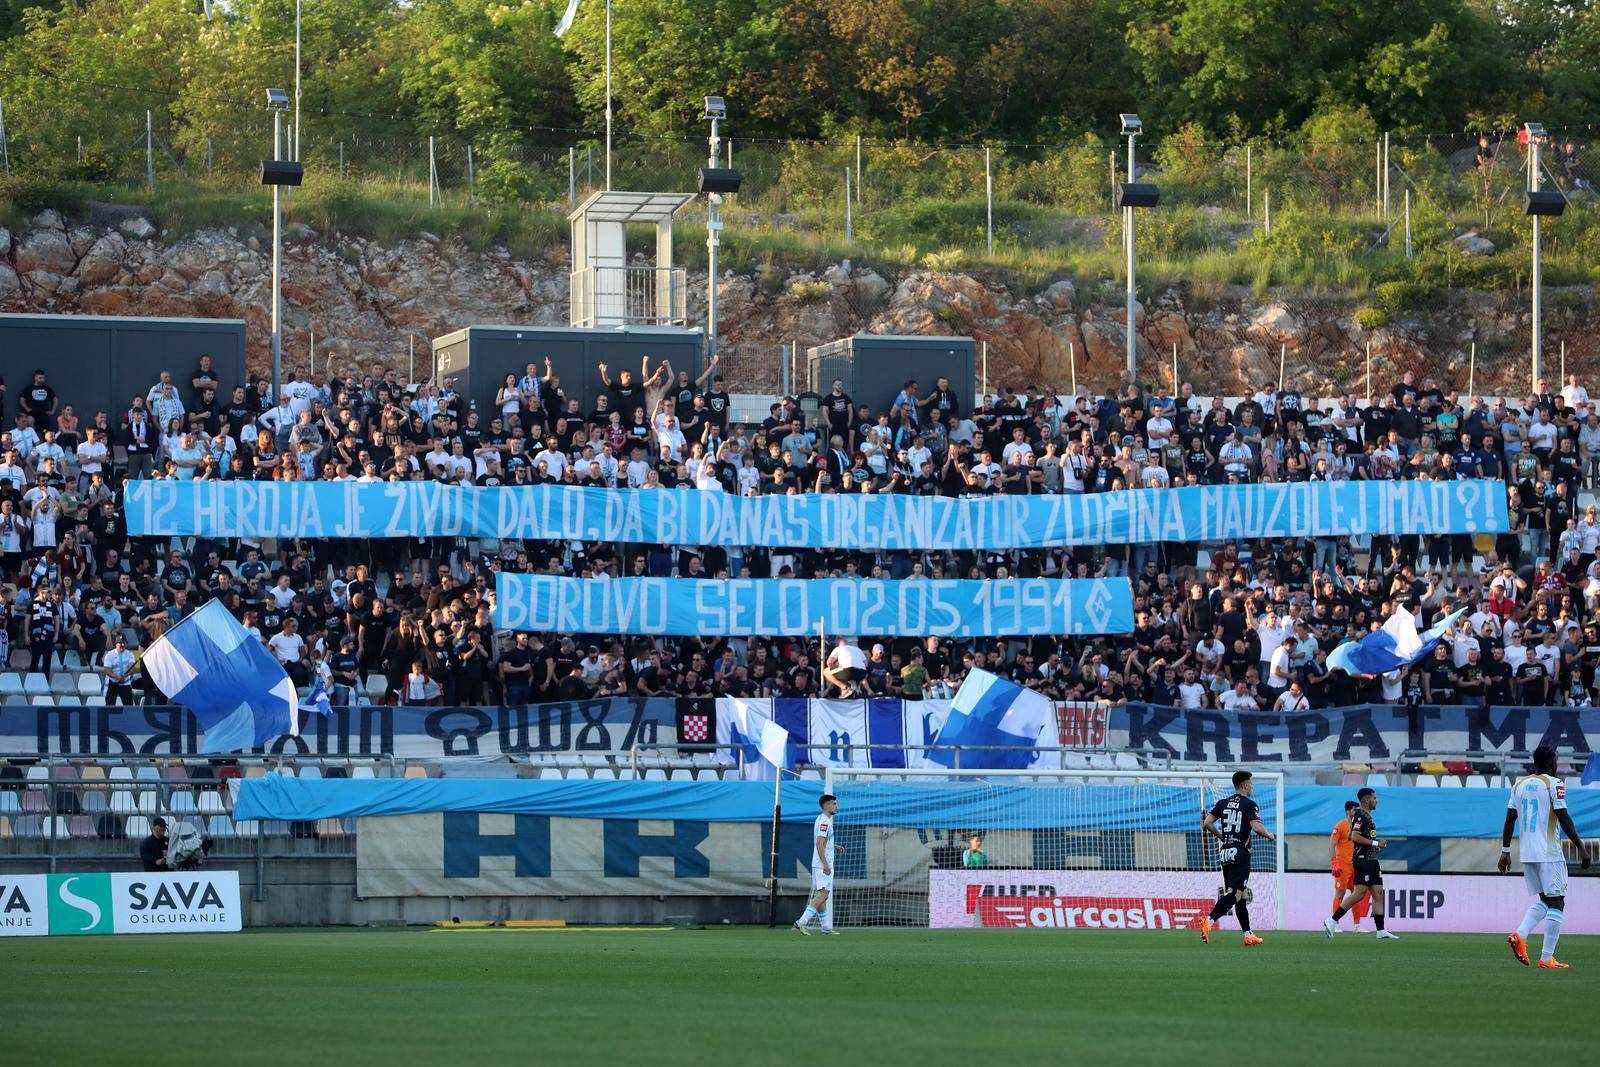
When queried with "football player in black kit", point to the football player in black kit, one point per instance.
{"points": [[1368, 878], [1231, 821]]}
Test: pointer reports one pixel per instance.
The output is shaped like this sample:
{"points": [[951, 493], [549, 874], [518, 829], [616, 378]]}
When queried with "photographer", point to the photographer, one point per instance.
{"points": [[153, 849]]}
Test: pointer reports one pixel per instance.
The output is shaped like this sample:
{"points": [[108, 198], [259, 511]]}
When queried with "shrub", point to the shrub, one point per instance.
{"points": [[809, 292], [98, 165], [1371, 317], [30, 193]]}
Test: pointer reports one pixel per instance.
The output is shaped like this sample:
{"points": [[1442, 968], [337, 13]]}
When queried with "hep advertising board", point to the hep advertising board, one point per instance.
{"points": [[121, 903], [1445, 903], [1085, 899]]}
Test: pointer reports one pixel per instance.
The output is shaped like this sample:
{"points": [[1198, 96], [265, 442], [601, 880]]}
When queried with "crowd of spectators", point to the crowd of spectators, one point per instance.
{"points": [[1232, 625]]}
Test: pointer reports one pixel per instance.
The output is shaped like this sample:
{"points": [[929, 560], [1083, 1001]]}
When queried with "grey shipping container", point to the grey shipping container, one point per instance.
{"points": [[874, 367], [98, 362], [480, 357]]}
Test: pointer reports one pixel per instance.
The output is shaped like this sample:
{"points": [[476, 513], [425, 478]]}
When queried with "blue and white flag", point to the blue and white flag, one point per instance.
{"points": [[748, 733], [566, 20], [317, 702], [217, 669], [989, 710], [1395, 645]]}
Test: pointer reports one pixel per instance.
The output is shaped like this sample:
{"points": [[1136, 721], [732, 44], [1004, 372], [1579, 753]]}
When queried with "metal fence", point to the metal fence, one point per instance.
{"points": [[1265, 259]]}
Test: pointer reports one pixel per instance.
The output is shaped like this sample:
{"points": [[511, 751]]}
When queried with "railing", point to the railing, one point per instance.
{"points": [[628, 296]]}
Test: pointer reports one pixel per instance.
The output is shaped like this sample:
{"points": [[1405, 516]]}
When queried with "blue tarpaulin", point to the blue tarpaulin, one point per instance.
{"points": [[992, 804]]}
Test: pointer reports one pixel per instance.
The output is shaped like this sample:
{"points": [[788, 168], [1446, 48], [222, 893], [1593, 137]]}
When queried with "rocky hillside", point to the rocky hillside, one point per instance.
{"points": [[365, 302]]}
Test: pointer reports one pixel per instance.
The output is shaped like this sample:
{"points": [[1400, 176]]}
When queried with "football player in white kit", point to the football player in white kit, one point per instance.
{"points": [[1538, 806], [823, 848]]}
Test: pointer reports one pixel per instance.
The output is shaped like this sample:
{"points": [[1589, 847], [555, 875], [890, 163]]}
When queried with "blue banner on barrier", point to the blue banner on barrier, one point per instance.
{"points": [[810, 520], [710, 607], [996, 805]]}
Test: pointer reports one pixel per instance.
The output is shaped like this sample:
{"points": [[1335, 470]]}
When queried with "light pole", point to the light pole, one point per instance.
{"points": [[294, 149], [277, 173], [1130, 195], [715, 181], [1538, 205]]}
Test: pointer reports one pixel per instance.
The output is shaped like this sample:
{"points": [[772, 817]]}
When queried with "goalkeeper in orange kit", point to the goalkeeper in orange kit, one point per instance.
{"points": [[1339, 858]]}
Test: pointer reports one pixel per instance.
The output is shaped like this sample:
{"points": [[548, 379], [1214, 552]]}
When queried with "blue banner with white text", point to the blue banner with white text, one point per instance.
{"points": [[711, 607], [812, 520], [1364, 733]]}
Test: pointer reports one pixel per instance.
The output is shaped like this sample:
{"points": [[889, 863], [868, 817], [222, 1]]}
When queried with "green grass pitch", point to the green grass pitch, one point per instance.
{"points": [[349, 998]]}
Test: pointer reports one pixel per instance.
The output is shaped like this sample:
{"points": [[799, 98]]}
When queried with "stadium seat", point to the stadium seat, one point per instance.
{"points": [[92, 773], [81, 826], [5, 828], [1102, 761], [94, 802], [35, 684], [73, 701], [27, 826], [547, 774], [246, 828], [362, 771], [1350, 779], [575, 772], [283, 770], [1074, 761], [147, 773], [255, 770], [108, 827], [137, 827], [1433, 767], [64, 684], [209, 802], [416, 770], [177, 772], [1427, 781], [181, 802], [1376, 780], [1477, 781], [58, 827], [628, 774], [11, 684], [42, 700], [219, 826], [330, 828], [376, 687], [119, 773], [9, 804], [38, 773], [1450, 781], [89, 686], [312, 771], [1126, 761], [123, 802], [148, 803], [811, 774], [655, 774], [34, 802]]}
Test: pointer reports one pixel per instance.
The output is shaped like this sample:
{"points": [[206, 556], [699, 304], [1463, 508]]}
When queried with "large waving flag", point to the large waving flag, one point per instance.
{"points": [[1394, 645], [989, 710], [747, 728], [217, 669]]}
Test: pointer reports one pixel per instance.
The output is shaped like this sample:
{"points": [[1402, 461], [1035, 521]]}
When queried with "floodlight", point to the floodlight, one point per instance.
{"points": [[281, 172], [720, 180], [1536, 131], [716, 108], [1137, 194], [1131, 126], [277, 100], [1544, 202]]}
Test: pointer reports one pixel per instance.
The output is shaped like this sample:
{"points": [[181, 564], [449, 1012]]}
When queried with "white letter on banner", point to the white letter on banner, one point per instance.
{"points": [[666, 515], [713, 617], [205, 504], [309, 513], [795, 616], [245, 509], [941, 618], [506, 512], [518, 603], [656, 614], [396, 493]]}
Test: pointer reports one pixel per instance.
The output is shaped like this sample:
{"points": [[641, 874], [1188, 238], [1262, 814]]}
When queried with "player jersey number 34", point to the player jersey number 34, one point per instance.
{"points": [[1233, 817]]}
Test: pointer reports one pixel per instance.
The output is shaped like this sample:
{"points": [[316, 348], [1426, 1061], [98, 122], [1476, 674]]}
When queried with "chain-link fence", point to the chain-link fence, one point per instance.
{"points": [[1335, 265]]}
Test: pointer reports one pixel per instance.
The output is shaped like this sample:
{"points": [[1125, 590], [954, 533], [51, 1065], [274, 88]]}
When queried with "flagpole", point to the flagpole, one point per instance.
{"points": [[772, 861]]}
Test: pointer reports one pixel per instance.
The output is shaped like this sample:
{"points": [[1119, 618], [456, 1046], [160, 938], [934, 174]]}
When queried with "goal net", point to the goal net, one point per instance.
{"points": [[1063, 849]]}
